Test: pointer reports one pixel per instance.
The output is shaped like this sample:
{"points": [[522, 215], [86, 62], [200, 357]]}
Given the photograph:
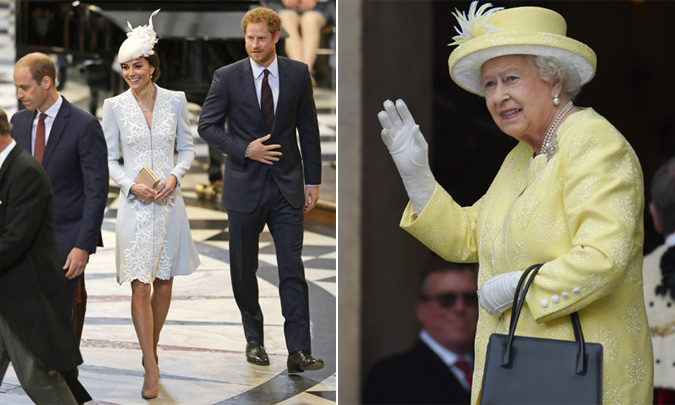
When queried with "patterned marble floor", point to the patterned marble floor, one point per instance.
{"points": [[202, 345]]}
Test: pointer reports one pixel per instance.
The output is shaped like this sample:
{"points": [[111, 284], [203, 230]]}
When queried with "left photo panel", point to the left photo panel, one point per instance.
{"points": [[168, 202]]}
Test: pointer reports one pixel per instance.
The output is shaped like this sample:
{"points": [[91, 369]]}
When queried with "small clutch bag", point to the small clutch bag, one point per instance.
{"points": [[148, 177]]}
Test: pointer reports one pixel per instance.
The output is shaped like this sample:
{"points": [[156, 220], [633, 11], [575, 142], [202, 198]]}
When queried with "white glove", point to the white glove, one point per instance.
{"points": [[409, 150], [496, 295]]}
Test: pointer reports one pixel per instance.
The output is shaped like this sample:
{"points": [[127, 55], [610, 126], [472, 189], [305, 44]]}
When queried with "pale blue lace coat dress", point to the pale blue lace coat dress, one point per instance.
{"points": [[153, 239]]}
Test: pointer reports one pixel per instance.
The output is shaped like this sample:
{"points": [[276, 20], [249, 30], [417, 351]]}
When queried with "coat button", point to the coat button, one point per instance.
{"points": [[565, 295], [555, 299], [544, 303], [576, 291]]}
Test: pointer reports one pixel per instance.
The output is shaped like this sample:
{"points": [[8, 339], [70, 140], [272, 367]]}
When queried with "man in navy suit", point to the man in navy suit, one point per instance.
{"points": [[439, 368], [252, 113], [73, 152]]}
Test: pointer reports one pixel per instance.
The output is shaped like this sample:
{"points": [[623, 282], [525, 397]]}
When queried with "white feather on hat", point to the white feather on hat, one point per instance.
{"points": [[140, 42]]}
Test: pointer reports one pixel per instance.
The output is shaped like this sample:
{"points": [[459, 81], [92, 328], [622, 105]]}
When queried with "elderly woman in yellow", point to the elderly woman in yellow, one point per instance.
{"points": [[569, 195]]}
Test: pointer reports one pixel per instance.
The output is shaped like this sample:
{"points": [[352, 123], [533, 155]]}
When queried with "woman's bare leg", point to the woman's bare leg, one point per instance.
{"points": [[160, 302], [290, 20], [141, 314], [311, 24]]}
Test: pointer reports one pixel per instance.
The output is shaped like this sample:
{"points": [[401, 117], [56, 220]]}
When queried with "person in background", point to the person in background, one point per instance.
{"points": [[659, 284], [304, 21], [568, 196], [438, 369], [35, 320], [69, 143], [153, 239]]}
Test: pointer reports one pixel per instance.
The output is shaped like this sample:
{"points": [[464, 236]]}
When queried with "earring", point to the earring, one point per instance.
{"points": [[556, 99], [151, 78]]}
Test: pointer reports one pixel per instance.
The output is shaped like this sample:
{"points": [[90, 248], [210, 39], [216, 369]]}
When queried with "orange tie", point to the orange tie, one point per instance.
{"points": [[39, 150]]}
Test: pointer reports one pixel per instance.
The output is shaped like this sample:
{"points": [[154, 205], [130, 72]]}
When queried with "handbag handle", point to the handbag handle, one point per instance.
{"points": [[518, 302]]}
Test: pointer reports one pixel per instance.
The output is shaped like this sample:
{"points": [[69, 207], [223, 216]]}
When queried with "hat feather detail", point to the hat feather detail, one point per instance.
{"points": [[144, 36], [475, 24]]}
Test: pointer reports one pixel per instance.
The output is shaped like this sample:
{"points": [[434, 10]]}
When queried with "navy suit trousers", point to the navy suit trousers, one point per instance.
{"points": [[285, 223]]}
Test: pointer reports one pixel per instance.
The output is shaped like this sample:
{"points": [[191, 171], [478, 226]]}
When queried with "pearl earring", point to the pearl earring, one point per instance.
{"points": [[556, 100], [151, 78]]}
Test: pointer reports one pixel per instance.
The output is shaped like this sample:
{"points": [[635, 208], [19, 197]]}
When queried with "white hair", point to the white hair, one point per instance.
{"points": [[551, 68]]}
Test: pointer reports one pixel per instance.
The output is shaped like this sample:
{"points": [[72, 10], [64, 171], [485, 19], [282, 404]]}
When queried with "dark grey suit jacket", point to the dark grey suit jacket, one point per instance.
{"points": [[76, 160], [232, 99], [32, 286], [417, 376]]}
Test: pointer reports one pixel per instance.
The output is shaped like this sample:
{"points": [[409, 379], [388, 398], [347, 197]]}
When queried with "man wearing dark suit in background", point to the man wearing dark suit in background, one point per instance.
{"points": [[266, 98], [73, 152], [35, 331], [439, 368]]}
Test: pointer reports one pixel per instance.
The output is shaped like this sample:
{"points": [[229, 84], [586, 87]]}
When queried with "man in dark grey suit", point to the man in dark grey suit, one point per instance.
{"points": [[265, 100], [73, 152], [35, 332], [438, 369]]}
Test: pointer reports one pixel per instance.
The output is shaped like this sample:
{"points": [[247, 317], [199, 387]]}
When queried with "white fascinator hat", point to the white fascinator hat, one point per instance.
{"points": [[140, 42]]}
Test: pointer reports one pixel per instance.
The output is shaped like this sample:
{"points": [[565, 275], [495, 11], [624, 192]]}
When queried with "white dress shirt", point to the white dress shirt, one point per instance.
{"points": [[449, 357], [272, 79], [49, 121], [5, 152]]}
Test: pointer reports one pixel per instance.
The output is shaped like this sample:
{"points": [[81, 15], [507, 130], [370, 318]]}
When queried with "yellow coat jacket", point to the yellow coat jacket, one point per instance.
{"points": [[579, 213]]}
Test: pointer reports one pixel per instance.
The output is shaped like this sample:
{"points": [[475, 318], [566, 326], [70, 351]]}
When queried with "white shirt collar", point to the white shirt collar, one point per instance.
{"points": [[448, 356], [5, 152], [258, 69], [54, 109], [670, 240]]}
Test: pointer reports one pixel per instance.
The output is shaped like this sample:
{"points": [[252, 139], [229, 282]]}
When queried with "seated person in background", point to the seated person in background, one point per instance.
{"points": [[303, 20], [659, 284], [439, 368]]}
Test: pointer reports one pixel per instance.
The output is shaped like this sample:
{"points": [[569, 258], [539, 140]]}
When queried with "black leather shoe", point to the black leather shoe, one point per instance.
{"points": [[256, 354], [301, 361]]}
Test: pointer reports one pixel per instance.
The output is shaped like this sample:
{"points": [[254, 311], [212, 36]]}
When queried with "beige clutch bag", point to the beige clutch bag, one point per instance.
{"points": [[148, 177]]}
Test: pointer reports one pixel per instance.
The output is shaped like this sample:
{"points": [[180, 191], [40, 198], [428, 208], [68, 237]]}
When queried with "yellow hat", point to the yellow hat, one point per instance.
{"points": [[486, 34]]}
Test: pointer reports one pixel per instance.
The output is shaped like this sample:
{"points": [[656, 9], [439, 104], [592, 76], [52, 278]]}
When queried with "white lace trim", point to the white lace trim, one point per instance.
{"points": [[146, 258]]}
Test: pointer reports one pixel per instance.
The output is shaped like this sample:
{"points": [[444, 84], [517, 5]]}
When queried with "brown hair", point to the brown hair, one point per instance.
{"points": [[39, 65], [153, 60], [5, 126], [260, 15], [436, 264]]}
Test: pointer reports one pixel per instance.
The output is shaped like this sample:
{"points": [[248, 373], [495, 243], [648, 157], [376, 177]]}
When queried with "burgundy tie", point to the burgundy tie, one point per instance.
{"points": [[39, 149], [466, 369], [267, 102]]}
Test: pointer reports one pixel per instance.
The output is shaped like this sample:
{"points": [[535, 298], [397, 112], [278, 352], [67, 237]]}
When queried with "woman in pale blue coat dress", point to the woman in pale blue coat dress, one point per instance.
{"points": [[153, 240]]}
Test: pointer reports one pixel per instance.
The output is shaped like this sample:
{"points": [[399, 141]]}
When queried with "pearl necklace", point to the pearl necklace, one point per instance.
{"points": [[550, 143]]}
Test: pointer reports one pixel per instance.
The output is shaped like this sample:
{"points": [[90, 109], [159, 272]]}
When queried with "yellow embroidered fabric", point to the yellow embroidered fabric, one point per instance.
{"points": [[579, 213]]}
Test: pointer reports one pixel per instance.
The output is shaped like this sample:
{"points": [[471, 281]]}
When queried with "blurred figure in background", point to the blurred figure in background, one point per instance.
{"points": [[659, 284], [439, 368], [304, 21]]}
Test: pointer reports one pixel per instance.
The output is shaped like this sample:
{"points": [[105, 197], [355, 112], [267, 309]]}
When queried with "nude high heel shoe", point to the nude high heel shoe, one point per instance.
{"points": [[150, 388]]}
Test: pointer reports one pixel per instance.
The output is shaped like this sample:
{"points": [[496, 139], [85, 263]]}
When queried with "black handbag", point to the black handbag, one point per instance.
{"points": [[527, 370]]}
